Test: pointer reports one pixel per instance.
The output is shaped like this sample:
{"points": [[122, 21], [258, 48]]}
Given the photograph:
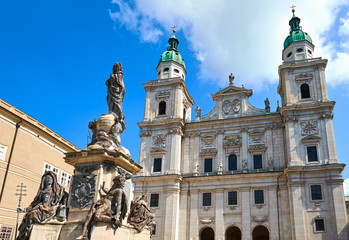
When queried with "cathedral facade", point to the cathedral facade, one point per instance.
{"points": [[241, 172]]}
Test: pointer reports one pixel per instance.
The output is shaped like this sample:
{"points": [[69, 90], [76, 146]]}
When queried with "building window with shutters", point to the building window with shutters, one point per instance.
{"points": [[206, 199], [316, 192], [48, 167], [257, 161], [232, 198], [258, 196], [65, 179], [2, 152], [6, 232], [208, 165], [312, 154], [157, 165], [154, 200]]}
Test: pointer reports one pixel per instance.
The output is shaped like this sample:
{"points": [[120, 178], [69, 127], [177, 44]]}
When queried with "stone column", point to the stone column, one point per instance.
{"points": [[220, 153], [244, 147], [171, 216], [339, 208], [331, 144], [184, 214], [269, 144], [299, 224], [273, 217], [175, 136], [246, 212], [194, 215], [219, 218], [291, 141]]}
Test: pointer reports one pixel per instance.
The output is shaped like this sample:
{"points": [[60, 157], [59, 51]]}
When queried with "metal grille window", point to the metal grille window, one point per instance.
{"points": [[157, 164], [233, 198], [258, 197], [257, 162], [6, 233], [312, 154], [316, 193], [208, 165], [154, 200], [319, 225], [206, 199], [232, 162]]}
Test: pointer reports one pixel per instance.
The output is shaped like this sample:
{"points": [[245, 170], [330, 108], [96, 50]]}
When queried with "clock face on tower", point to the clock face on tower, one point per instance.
{"points": [[309, 127]]}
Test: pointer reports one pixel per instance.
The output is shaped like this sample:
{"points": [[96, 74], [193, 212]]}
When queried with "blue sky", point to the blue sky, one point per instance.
{"points": [[56, 55]]}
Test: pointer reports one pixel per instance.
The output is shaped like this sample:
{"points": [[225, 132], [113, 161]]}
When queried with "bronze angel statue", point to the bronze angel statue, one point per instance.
{"points": [[111, 208], [48, 203]]}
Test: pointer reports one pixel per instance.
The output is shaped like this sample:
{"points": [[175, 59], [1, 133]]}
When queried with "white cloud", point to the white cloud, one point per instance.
{"points": [[344, 28], [346, 187], [243, 37]]}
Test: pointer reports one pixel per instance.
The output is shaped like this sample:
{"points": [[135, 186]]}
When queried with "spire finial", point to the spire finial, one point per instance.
{"points": [[293, 10], [174, 29]]}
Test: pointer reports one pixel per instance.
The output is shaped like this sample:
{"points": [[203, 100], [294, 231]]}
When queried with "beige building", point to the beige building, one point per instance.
{"points": [[27, 149], [240, 172]]}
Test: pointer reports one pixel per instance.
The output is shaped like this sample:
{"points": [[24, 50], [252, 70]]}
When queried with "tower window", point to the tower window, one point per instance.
{"points": [[319, 225], [157, 164], [316, 193], [154, 200], [305, 93], [309, 52], [159, 73], [257, 162], [312, 154], [176, 70], [206, 199], [289, 54], [162, 108], [166, 69], [208, 165], [232, 162], [184, 114], [299, 50]]}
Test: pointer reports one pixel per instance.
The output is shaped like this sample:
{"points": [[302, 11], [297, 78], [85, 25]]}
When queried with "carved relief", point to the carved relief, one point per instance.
{"points": [[309, 127], [259, 219], [326, 115], [207, 141], [226, 106], [290, 118], [232, 141], [186, 103], [83, 190], [236, 105], [163, 95], [257, 148], [304, 78], [176, 130], [206, 221], [159, 141], [208, 152], [145, 133]]}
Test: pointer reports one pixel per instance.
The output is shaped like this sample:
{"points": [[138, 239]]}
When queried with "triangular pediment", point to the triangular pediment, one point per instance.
{"points": [[232, 90], [157, 150], [311, 138]]}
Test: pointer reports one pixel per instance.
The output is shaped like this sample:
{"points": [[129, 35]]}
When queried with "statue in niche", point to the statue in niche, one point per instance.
{"points": [[270, 163], [196, 167], [220, 166], [50, 202], [244, 164], [111, 208], [197, 112], [140, 214], [267, 105]]}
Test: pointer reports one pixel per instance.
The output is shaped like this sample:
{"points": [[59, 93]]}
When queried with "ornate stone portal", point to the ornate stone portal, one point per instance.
{"points": [[101, 190]]}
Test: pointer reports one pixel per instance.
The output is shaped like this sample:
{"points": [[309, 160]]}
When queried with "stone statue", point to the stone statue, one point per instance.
{"points": [[220, 166], [48, 203], [111, 208], [231, 79], [278, 107], [196, 167], [244, 164], [140, 214], [267, 105], [197, 112], [270, 163], [93, 127]]}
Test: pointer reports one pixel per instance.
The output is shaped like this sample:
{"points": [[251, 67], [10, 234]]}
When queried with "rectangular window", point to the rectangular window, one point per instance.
{"points": [[316, 193], [312, 154], [157, 164], [206, 199], [48, 167], [232, 163], [208, 165], [65, 179], [257, 162], [2, 152], [233, 198], [319, 225], [6, 233], [258, 197], [153, 231], [154, 200]]}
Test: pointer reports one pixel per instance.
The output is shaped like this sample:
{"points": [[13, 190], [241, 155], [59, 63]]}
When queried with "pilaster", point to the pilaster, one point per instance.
{"points": [[219, 218]]}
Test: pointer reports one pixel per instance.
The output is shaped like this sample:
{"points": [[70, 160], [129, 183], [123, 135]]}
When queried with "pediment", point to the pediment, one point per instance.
{"points": [[232, 90], [157, 151], [310, 139]]}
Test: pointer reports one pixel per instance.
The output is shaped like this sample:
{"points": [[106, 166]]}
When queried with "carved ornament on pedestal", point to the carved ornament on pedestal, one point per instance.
{"points": [[83, 190]]}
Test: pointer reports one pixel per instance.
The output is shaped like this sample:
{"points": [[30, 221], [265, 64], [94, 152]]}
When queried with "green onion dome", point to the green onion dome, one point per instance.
{"points": [[296, 33]]}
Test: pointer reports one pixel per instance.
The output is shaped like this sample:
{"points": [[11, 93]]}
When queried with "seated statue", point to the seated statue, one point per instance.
{"points": [[48, 203], [140, 214], [111, 208]]}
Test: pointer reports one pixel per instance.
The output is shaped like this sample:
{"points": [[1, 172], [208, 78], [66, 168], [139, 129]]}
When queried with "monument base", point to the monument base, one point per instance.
{"points": [[101, 231]]}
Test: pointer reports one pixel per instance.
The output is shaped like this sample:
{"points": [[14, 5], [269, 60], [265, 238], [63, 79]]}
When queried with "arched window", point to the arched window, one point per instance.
{"points": [[162, 108], [184, 114], [233, 233], [207, 234], [305, 93], [232, 162], [260, 233]]}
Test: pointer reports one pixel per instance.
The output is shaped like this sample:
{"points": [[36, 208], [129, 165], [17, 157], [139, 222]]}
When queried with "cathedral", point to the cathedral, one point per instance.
{"points": [[240, 172]]}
